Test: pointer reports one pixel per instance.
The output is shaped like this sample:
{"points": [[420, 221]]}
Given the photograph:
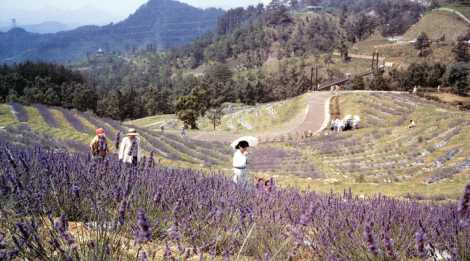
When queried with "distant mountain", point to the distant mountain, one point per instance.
{"points": [[42, 28], [85, 15], [160, 23]]}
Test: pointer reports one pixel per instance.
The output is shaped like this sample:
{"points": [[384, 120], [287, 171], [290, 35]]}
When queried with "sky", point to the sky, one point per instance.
{"points": [[113, 10]]}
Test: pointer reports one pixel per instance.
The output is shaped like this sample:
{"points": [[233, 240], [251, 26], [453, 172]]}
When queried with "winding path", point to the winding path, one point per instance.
{"points": [[459, 14], [315, 120]]}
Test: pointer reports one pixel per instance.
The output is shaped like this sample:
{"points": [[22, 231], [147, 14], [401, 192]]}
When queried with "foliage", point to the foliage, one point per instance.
{"points": [[458, 78], [358, 83], [190, 107], [424, 74], [460, 51], [422, 44]]}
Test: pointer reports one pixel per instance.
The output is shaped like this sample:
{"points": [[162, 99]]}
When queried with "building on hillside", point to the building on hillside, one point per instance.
{"points": [[313, 8]]}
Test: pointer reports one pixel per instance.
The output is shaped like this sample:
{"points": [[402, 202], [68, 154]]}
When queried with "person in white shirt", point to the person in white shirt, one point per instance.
{"points": [[129, 150], [240, 163]]}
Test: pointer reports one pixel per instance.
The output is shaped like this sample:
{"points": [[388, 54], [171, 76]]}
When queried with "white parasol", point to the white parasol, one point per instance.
{"points": [[252, 141]]}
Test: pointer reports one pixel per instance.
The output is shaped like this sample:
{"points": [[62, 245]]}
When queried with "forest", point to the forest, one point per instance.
{"points": [[198, 78]]}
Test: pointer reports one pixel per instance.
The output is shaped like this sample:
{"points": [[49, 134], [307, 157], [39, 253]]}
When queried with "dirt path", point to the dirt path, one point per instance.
{"points": [[316, 119], [459, 14], [360, 56]]}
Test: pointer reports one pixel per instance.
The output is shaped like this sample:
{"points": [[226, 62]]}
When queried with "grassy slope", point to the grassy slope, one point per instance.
{"points": [[170, 150], [438, 23], [384, 156], [262, 118], [434, 24]]}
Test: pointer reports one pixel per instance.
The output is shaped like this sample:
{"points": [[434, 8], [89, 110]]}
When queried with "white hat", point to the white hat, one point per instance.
{"points": [[132, 132], [252, 141]]}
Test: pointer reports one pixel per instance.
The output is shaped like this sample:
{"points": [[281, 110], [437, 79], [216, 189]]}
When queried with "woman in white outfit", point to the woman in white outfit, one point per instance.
{"points": [[129, 150], [240, 163]]}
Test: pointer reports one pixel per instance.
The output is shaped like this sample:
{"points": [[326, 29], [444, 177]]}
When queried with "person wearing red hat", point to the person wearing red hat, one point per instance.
{"points": [[99, 145]]}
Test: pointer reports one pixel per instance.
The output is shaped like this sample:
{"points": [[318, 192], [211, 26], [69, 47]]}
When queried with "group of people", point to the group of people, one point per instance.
{"points": [[348, 123], [129, 150]]}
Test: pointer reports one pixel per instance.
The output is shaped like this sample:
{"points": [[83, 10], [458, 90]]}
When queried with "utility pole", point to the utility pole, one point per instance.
{"points": [[311, 79], [316, 78]]}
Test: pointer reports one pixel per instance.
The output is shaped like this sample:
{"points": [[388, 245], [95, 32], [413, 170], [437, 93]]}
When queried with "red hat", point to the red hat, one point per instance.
{"points": [[100, 132]]}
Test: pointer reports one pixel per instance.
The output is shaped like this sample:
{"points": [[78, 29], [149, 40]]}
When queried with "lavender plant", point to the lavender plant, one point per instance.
{"points": [[47, 116], [74, 121], [64, 206], [19, 112]]}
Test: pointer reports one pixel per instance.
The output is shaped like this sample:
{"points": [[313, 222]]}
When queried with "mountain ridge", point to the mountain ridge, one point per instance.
{"points": [[160, 24]]}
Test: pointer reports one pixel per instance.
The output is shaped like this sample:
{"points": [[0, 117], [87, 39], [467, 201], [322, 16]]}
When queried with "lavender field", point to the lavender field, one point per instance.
{"points": [[61, 206]]}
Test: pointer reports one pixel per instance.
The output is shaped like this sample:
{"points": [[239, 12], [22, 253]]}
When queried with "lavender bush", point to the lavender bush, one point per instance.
{"points": [[74, 121], [47, 116], [19, 112], [57, 205]]}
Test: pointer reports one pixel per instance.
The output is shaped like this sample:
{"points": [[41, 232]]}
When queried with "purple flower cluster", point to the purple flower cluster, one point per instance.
{"points": [[196, 214]]}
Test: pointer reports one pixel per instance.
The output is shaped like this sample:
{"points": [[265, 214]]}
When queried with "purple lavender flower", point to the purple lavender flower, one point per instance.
{"points": [[388, 244], [307, 216], [142, 256], [464, 206], [420, 238], [62, 226], [143, 232], [173, 232], [369, 237], [75, 191], [122, 212], [167, 253]]}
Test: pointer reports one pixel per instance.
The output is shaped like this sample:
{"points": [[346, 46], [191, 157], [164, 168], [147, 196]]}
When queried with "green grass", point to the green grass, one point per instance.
{"points": [[6, 117], [437, 23], [65, 132], [262, 118]]}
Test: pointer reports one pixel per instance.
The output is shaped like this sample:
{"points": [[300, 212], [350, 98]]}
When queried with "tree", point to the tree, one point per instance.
{"points": [[422, 44], [460, 52], [379, 83], [458, 78], [358, 83], [343, 49], [277, 14], [190, 107], [215, 115]]}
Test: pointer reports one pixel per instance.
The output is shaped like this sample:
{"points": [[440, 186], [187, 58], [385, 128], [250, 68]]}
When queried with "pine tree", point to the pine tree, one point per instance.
{"points": [[460, 52], [422, 43]]}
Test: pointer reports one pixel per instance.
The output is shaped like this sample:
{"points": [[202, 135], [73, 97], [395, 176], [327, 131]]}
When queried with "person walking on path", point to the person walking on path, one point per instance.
{"points": [[240, 163], [99, 145], [183, 132], [129, 150]]}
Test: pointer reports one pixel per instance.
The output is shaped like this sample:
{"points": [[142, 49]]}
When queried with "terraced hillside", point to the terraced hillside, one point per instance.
{"points": [[58, 128], [384, 155], [239, 119], [400, 50]]}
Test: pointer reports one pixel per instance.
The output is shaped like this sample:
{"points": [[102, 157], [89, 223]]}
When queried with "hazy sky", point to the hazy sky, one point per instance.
{"points": [[116, 7], [84, 12]]}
